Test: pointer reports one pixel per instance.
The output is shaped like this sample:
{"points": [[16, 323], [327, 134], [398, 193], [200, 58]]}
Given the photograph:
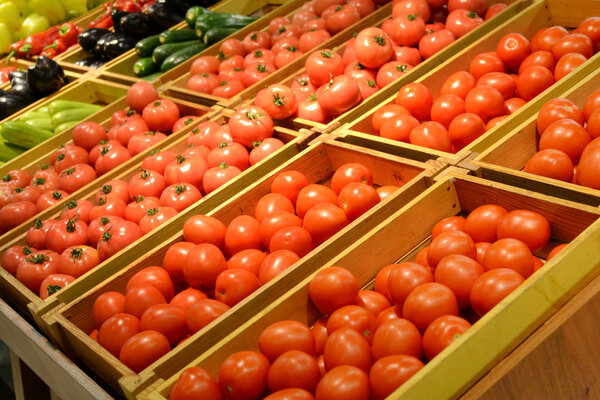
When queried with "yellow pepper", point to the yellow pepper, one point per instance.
{"points": [[5, 38], [34, 23], [9, 15], [51, 9]]}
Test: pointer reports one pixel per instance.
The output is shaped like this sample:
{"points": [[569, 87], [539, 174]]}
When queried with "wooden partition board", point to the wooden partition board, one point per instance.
{"points": [[28, 302], [67, 60], [103, 117], [407, 229], [522, 143], [121, 68], [70, 325], [357, 129]]}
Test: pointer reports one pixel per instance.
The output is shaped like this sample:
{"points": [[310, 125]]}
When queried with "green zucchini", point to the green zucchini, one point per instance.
{"points": [[184, 35], [33, 115], [42, 123], [145, 47], [74, 114], [65, 126], [20, 134], [192, 15], [215, 18], [152, 77], [9, 151], [215, 34], [182, 55], [144, 66], [62, 105], [221, 21], [163, 51]]}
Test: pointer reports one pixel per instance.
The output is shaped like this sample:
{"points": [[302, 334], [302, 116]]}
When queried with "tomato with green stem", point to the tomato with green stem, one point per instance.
{"points": [[116, 187], [278, 101], [322, 65], [180, 196], [66, 233], [108, 206], [117, 237], [216, 177], [77, 260], [155, 217], [185, 170], [36, 267], [53, 283]]}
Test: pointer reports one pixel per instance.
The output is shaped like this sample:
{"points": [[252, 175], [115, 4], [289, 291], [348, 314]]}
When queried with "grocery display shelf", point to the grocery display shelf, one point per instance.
{"points": [[357, 126]]}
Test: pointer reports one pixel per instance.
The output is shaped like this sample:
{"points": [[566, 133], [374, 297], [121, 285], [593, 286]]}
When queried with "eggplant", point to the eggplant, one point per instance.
{"points": [[90, 37], [23, 91], [45, 77], [10, 104], [138, 25], [163, 16], [115, 44], [178, 7], [17, 76], [92, 62], [116, 16]]}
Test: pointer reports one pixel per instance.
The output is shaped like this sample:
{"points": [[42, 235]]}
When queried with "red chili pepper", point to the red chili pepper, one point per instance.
{"points": [[54, 49], [34, 44], [127, 5], [4, 73], [14, 50], [68, 33], [104, 22]]}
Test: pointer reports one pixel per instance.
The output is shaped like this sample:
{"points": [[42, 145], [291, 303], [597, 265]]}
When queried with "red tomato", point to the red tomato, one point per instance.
{"points": [[166, 319], [565, 135], [75, 177], [512, 49], [593, 124], [195, 382], [106, 305], [446, 107], [406, 7], [295, 239], [263, 149], [432, 135], [153, 276], [33, 269], [372, 301], [231, 47], [341, 17], [141, 94], [512, 105], [460, 22], [70, 156], [110, 158], [98, 227], [249, 259], [108, 206], [140, 297], [187, 298], [533, 81], [36, 235], [202, 266], [142, 349], [530, 227], [427, 302], [79, 208], [573, 43], [184, 170], [323, 221], [373, 47], [568, 63], [485, 101], [283, 336], [353, 317], [464, 129], [406, 55], [311, 39], [451, 242], [203, 82], [77, 260], [441, 333], [417, 99], [389, 373], [205, 65], [244, 375], [289, 184], [275, 263], [122, 234], [485, 63], [218, 176], [399, 128], [250, 124], [28, 193], [116, 330], [403, 278], [135, 210], [256, 40], [509, 253], [278, 100], [556, 109], [458, 273], [126, 131], [117, 188], [501, 81], [344, 382], [492, 287], [350, 173], [200, 229], [322, 64], [66, 233], [203, 313], [433, 42], [346, 346], [161, 115], [541, 58], [294, 369], [333, 288], [545, 38], [396, 337], [142, 141], [234, 284], [340, 95], [228, 88], [448, 224], [407, 29], [481, 224], [357, 198]]}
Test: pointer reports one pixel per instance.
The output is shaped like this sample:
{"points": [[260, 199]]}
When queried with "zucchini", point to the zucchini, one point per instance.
{"points": [[33, 115], [152, 77], [163, 51], [9, 151], [62, 105], [144, 66], [177, 36], [145, 47], [20, 134], [215, 34], [75, 114], [215, 18], [182, 55], [42, 123], [192, 15], [223, 20], [65, 126]]}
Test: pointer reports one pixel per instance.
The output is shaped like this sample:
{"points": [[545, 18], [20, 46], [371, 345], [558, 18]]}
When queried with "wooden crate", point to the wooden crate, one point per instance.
{"points": [[522, 143], [69, 325], [121, 68], [495, 334], [125, 75], [41, 154], [357, 127]]}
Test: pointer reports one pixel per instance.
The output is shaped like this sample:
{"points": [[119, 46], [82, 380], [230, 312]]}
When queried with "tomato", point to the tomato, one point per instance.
{"points": [[140, 297], [135, 210], [342, 17], [322, 65], [357, 198], [142, 141], [464, 129], [458, 273], [140, 94], [205, 65], [573, 43], [116, 330], [36, 235], [364, 7], [421, 257], [311, 39], [512, 49], [460, 22], [406, 7], [541, 58], [122, 234], [294, 239], [108, 206], [98, 227], [230, 47], [184, 170], [202, 266], [481, 250], [485, 101], [344, 382], [293, 369], [388, 112], [339, 95], [218, 176], [160, 115], [117, 188], [77, 260], [492, 287], [153, 276], [17, 178], [174, 259], [166, 319], [407, 29], [427, 302], [274, 221], [381, 280], [79, 208], [287, 55], [203, 82], [198, 151], [106, 305], [142, 349], [593, 124], [372, 301], [346, 346], [146, 183], [250, 124], [481, 224], [353, 317], [203, 313], [417, 99], [451, 242], [485, 63], [565, 135], [33, 269], [243, 375], [509, 253], [200, 229], [179, 196], [545, 38], [263, 56], [373, 47], [228, 88], [446, 107], [235, 284], [66, 233], [406, 55], [28, 193], [94, 153], [323, 221], [322, 5], [403, 278], [448, 224], [568, 63], [76, 177], [263, 149], [530, 227], [283, 336], [590, 27], [556, 109], [289, 184], [389, 373], [256, 72], [195, 382], [275, 263], [399, 128], [187, 298], [433, 42], [110, 158], [432, 135], [333, 288], [126, 131], [512, 105], [311, 110], [533, 81], [249, 260], [121, 116], [501, 81], [441, 333], [311, 195], [256, 40], [70, 156], [278, 100]]}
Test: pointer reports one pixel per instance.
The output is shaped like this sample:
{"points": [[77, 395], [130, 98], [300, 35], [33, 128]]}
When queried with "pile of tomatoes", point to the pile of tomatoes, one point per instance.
{"points": [[497, 84], [372, 341], [93, 152], [335, 82], [568, 144], [288, 223], [241, 64]]}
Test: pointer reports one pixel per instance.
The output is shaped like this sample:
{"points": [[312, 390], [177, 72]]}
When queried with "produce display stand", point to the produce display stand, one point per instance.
{"points": [[357, 128], [522, 143], [496, 333], [70, 325]]}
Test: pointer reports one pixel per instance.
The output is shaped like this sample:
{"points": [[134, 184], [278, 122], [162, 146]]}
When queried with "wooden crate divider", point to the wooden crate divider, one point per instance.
{"points": [[495, 334]]}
